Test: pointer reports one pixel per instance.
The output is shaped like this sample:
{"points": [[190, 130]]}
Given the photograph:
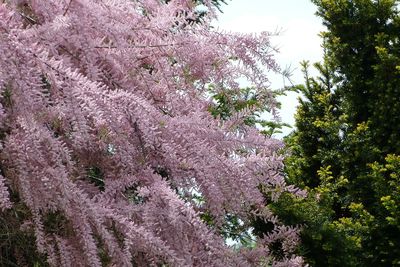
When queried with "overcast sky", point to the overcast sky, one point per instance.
{"points": [[298, 39]]}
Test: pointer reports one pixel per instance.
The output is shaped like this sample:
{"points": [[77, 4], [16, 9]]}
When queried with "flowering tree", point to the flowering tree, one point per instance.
{"points": [[109, 154]]}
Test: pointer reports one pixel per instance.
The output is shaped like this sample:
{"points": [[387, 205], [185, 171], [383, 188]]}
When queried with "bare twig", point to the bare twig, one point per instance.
{"points": [[66, 10], [140, 46]]}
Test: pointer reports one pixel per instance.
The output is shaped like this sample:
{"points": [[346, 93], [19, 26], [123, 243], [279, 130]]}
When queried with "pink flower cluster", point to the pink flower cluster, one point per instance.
{"points": [[104, 121]]}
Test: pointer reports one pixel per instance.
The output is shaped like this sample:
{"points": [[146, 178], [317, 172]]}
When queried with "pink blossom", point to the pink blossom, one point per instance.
{"points": [[104, 112]]}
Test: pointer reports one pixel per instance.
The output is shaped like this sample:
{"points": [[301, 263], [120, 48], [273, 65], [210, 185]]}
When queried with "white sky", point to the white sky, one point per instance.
{"points": [[298, 39]]}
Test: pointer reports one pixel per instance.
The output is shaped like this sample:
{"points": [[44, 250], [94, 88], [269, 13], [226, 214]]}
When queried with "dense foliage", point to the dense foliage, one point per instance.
{"points": [[109, 154], [346, 146]]}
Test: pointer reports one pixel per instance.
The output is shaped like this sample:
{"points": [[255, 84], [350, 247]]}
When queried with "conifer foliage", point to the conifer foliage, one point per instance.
{"points": [[109, 154], [347, 143]]}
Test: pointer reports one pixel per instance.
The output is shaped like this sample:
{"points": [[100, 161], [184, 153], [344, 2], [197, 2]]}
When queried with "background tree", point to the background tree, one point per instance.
{"points": [[346, 145], [314, 152], [109, 155]]}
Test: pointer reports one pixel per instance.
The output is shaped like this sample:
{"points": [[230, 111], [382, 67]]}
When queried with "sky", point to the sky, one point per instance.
{"points": [[298, 39]]}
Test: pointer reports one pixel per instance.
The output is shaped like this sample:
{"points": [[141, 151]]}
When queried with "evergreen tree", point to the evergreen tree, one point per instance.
{"points": [[346, 145]]}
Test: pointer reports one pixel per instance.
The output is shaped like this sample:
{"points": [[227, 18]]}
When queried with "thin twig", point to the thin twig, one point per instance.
{"points": [[66, 10], [27, 18], [140, 46]]}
